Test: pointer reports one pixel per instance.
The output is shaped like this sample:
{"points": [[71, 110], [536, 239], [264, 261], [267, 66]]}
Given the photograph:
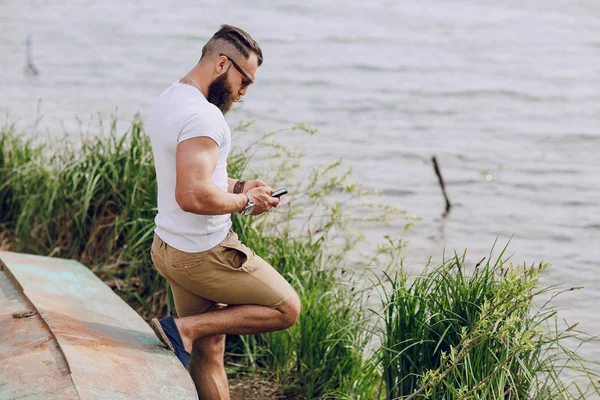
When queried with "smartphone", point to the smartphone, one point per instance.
{"points": [[279, 192]]}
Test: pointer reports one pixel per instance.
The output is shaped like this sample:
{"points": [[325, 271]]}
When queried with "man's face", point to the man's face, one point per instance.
{"points": [[232, 84]]}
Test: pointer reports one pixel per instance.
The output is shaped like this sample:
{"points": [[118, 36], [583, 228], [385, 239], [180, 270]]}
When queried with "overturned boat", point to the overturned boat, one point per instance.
{"points": [[64, 334]]}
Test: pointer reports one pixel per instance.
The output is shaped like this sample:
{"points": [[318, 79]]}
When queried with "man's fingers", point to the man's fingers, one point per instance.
{"points": [[274, 202], [263, 200], [265, 189], [259, 183]]}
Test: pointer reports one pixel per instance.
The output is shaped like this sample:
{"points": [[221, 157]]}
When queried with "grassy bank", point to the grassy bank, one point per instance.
{"points": [[483, 331], [455, 331]]}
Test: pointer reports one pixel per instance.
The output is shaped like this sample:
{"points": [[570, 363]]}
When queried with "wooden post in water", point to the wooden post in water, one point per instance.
{"points": [[436, 167]]}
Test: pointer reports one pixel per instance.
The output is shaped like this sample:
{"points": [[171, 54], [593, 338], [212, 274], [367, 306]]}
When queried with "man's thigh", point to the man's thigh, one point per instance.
{"points": [[186, 302], [229, 273]]}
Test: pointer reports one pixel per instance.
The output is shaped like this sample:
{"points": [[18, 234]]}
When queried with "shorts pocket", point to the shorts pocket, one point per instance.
{"points": [[235, 255], [181, 260]]}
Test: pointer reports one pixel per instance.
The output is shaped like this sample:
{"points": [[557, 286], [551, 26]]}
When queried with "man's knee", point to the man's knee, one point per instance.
{"points": [[290, 311], [210, 348]]}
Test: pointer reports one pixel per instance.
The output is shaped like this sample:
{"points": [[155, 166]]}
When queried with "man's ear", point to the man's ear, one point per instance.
{"points": [[220, 64]]}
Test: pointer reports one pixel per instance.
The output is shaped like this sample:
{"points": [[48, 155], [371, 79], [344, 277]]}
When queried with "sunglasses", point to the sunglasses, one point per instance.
{"points": [[247, 81]]}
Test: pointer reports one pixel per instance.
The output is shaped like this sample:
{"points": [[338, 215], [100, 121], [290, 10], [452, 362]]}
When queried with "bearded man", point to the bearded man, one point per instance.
{"points": [[219, 285]]}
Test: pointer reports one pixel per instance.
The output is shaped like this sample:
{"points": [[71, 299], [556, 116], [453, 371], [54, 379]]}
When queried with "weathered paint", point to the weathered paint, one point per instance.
{"points": [[25, 345], [84, 342]]}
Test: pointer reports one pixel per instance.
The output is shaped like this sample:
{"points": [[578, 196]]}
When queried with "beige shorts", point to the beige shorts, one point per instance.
{"points": [[229, 273]]}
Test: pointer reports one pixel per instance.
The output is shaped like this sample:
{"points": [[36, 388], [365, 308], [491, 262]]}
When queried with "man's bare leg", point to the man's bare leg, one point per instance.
{"points": [[207, 368], [238, 320], [204, 336]]}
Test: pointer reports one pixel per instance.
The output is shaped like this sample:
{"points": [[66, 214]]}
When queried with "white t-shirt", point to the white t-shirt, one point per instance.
{"points": [[180, 113]]}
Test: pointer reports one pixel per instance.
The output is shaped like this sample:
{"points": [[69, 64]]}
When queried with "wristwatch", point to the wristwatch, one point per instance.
{"points": [[249, 207]]}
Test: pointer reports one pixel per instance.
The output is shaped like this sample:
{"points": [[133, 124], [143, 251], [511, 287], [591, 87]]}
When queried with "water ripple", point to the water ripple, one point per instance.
{"points": [[494, 93]]}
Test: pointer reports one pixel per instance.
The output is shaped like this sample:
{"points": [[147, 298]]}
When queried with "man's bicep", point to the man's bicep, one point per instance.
{"points": [[196, 160]]}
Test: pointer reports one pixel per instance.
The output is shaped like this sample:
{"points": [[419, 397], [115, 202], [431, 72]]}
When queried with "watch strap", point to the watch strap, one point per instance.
{"points": [[239, 186], [249, 203]]}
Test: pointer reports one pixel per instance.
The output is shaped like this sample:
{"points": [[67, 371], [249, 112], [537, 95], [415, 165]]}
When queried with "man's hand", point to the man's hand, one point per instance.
{"points": [[248, 186], [263, 201]]}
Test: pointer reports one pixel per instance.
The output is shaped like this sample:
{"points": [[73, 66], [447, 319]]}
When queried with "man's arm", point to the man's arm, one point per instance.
{"points": [[196, 160], [249, 185], [230, 184]]}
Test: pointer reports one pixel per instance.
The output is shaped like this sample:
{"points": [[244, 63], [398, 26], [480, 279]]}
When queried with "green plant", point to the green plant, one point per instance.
{"points": [[455, 332], [94, 200], [322, 355], [452, 332]]}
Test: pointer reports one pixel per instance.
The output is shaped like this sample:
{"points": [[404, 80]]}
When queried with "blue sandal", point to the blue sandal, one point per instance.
{"points": [[167, 332]]}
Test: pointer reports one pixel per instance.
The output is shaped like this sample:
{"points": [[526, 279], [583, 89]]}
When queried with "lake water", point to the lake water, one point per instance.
{"points": [[506, 94]]}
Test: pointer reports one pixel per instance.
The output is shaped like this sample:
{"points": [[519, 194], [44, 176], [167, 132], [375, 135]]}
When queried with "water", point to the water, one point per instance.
{"points": [[506, 89]]}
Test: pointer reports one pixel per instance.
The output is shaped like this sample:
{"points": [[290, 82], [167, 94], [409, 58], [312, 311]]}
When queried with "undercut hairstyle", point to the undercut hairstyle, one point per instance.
{"points": [[230, 36]]}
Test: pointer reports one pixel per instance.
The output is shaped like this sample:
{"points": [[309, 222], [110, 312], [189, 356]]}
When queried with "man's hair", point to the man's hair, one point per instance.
{"points": [[236, 37]]}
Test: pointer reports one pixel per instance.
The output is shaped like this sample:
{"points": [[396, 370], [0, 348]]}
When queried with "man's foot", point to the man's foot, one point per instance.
{"points": [[167, 332], [187, 342]]}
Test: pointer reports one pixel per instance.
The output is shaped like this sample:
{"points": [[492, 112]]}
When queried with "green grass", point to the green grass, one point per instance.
{"points": [[476, 332], [94, 201], [451, 332], [322, 355]]}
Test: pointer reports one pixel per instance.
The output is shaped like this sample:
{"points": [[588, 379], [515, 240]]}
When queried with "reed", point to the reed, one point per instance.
{"points": [[451, 332], [94, 200], [477, 332]]}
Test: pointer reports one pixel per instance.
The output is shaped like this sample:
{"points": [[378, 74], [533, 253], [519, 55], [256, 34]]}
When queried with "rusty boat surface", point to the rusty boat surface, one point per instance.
{"points": [[64, 334]]}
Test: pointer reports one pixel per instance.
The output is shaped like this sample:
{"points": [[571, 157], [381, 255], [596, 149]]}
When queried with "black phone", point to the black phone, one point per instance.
{"points": [[279, 192]]}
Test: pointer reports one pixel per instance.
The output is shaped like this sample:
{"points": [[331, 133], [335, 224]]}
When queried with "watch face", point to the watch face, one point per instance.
{"points": [[247, 210]]}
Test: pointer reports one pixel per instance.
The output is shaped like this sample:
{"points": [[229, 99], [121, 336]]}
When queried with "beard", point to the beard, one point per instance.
{"points": [[220, 93]]}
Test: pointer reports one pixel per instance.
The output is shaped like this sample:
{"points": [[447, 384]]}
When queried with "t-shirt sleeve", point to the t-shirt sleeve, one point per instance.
{"points": [[206, 123]]}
